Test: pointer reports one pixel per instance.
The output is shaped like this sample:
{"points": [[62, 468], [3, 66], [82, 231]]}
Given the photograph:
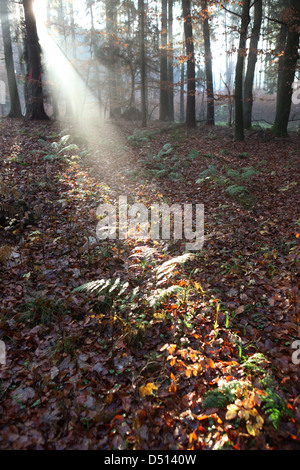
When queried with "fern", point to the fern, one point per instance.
{"points": [[68, 148], [104, 286], [209, 172], [235, 189], [165, 270], [248, 172], [233, 173], [160, 295], [221, 397], [167, 148], [175, 176], [215, 399], [273, 405], [60, 148], [193, 154], [144, 252]]}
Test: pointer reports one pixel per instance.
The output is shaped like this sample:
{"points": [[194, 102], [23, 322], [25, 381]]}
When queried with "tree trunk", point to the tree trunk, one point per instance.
{"points": [[35, 105], [15, 106], [114, 106], [239, 118], [252, 59], [141, 7], [287, 73], [191, 82], [170, 62], [280, 51], [210, 117], [163, 111], [181, 109]]}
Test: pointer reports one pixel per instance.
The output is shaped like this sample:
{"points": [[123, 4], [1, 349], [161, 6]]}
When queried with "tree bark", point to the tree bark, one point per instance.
{"points": [[210, 116], [35, 104], [252, 59], [287, 73], [15, 106], [170, 62], [191, 82], [239, 118], [114, 105], [163, 110], [141, 7]]}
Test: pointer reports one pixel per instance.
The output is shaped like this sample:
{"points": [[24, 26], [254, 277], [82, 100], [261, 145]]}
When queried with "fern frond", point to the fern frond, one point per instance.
{"points": [[161, 295], [248, 172], [233, 173], [165, 270], [181, 259], [104, 286], [144, 252], [235, 189], [94, 286]]}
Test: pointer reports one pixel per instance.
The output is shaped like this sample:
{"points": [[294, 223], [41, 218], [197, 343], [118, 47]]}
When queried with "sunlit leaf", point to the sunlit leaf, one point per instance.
{"points": [[147, 389]]}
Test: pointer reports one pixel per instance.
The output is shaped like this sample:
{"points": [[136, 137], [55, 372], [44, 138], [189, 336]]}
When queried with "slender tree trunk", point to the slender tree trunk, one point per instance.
{"points": [[287, 73], [210, 117], [191, 82], [114, 106], [181, 109], [239, 118], [163, 111], [141, 7], [35, 105], [252, 59], [170, 62], [73, 28], [15, 106]]}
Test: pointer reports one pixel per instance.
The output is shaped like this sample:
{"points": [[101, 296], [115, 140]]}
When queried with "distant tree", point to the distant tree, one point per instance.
{"points": [[15, 106], [112, 57], [239, 113], [141, 7], [170, 61], [191, 82], [287, 71], [252, 59], [163, 110], [35, 103], [210, 118]]}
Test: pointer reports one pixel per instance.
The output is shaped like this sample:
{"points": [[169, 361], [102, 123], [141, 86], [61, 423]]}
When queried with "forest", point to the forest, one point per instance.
{"points": [[149, 227]]}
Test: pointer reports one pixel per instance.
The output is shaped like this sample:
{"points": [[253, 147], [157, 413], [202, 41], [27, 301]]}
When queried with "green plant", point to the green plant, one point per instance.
{"points": [[160, 295], [166, 270], [253, 364], [109, 289], [167, 148], [60, 149], [272, 404], [42, 310], [193, 154], [208, 173], [139, 136], [236, 190], [221, 397]]}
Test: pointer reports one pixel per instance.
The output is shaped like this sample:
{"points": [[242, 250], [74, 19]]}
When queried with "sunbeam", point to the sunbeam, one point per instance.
{"points": [[65, 80]]}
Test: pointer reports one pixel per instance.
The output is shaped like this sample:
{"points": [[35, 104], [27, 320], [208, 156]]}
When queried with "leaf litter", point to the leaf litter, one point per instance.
{"points": [[196, 352]]}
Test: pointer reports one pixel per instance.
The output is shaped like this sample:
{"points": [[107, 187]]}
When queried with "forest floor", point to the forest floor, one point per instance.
{"points": [[171, 350]]}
